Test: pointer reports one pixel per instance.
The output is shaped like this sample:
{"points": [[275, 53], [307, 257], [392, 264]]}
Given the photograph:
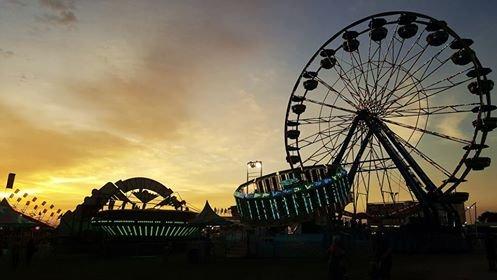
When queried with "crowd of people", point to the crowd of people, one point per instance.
{"points": [[381, 255], [18, 247], [381, 258]]}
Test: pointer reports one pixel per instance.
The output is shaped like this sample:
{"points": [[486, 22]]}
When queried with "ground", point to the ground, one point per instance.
{"points": [[437, 266]]}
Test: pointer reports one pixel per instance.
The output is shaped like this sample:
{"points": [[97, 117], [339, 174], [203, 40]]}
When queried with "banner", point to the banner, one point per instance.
{"points": [[10, 181]]}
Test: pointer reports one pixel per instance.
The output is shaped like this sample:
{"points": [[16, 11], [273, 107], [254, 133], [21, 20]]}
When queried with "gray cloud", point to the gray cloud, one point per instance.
{"points": [[17, 3], [58, 12], [6, 53]]}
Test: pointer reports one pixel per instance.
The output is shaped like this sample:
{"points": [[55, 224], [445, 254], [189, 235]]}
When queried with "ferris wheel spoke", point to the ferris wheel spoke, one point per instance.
{"points": [[390, 46], [438, 134], [397, 67], [432, 88], [368, 69], [418, 81], [391, 71], [406, 75], [330, 105], [426, 65], [424, 156], [363, 74], [319, 152], [321, 155], [315, 136], [356, 77], [347, 81], [434, 110], [329, 132], [400, 180], [384, 175], [338, 93], [319, 120], [378, 69]]}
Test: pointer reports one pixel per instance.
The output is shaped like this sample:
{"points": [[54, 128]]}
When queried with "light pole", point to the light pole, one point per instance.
{"points": [[251, 173]]}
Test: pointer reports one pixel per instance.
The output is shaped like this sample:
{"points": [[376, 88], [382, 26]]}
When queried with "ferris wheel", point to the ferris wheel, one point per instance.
{"points": [[401, 101]]}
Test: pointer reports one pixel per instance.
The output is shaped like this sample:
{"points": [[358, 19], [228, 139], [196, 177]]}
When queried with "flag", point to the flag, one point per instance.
{"points": [[24, 195], [52, 206], [36, 207], [27, 202], [51, 215], [45, 211], [16, 191], [19, 199], [10, 181], [11, 196], [58, 217], [43, 203], [34, 199], [59, 210]]}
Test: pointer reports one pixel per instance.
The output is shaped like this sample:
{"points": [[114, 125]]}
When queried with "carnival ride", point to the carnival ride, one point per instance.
{"points": [[287, 197], [368, 100], [136, 208]]}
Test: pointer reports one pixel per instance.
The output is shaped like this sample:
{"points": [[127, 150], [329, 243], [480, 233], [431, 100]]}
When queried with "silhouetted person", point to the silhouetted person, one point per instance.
{"points": [[30, 250], [382, 262], [15, 253], [490, 250], [336, 260]]}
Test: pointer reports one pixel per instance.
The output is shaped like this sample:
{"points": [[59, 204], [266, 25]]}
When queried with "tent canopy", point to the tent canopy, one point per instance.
{"points": [[11, 218], [209, 218]]}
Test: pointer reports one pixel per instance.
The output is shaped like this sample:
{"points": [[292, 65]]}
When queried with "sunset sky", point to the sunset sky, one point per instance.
{"points": [[184, 92]]}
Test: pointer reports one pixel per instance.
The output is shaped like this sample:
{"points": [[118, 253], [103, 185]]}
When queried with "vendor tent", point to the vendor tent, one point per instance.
{"points": [[11, 218], [208, 217]]}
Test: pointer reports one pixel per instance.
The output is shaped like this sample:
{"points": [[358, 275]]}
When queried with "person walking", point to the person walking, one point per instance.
{"points": [[30, 250], [336, 259], [382, 259], [15, 252], [490, 251]]}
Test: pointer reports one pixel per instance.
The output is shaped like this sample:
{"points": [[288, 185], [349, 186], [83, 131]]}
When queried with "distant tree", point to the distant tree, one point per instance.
{"points": [[488, 217]]}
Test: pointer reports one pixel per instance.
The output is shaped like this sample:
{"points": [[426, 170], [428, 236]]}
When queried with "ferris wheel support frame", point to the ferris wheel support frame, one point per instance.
{"points": [[403, 161]]}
